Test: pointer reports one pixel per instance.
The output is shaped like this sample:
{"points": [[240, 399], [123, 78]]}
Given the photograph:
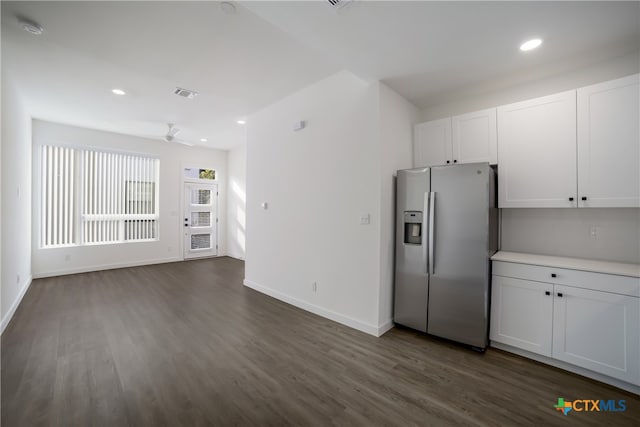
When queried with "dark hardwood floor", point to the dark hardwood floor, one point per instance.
{"points": [[188, 344]]}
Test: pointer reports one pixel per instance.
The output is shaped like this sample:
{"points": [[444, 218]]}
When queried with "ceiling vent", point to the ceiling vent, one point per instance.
{"points": [[185, 93], [338, 4]]}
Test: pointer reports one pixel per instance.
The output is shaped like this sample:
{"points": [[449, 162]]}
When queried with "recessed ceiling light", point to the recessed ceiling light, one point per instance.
{"points": [[118, 91], [31, 27], [227, 7], [241, 122], [530, 44], [203, 139]]}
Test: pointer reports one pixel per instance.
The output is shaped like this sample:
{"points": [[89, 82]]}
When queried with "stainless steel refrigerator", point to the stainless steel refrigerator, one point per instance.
{"points": [[446, 230]]}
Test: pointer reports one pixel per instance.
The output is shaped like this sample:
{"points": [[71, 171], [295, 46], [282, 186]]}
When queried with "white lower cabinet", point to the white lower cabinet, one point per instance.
{"points": [[522, 314], [598, 330]]}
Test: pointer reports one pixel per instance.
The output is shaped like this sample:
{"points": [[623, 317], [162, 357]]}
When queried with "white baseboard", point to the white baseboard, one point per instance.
{"points": [[386, 326], [7, 317], [328, 314], [568, 367], [64, 272]]}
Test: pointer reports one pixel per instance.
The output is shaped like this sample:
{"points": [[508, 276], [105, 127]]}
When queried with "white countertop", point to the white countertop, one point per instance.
{"points": [[619, 268]]}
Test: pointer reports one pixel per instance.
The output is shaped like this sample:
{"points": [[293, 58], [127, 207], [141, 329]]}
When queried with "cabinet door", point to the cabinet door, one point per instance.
{"points": [[432, 143], [598, 331], [521, 314], [609, 144], [537, 153], [474, 137]]}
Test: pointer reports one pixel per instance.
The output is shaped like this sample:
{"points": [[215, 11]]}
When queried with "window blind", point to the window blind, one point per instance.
{"points": [[58, 225], [112, 197]]}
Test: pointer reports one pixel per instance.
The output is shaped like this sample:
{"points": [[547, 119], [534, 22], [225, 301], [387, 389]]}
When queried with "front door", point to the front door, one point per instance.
{"points": [[200, 220]]}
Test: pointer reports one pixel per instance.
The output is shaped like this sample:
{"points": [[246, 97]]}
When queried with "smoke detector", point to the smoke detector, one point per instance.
{"points": [[31, 27], [185, 93], [227, 8]]}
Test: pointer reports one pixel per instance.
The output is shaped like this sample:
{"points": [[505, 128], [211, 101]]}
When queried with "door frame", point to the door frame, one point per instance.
{"points": [[183, 207]]}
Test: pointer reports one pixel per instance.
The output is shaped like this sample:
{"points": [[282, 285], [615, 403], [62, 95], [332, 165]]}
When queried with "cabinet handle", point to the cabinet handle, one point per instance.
{"points": [[559, 294], [455, 161], [554, 275], [571, 199], [584, 198], [547, 293], [448, 161]]}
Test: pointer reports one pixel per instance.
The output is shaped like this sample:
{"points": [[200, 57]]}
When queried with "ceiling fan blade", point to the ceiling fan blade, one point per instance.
{"points": [[151, 136], [179, 141]]}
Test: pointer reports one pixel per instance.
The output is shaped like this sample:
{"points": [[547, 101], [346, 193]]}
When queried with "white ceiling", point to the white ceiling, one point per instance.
{"points": [[238, 63], [427, 51]]}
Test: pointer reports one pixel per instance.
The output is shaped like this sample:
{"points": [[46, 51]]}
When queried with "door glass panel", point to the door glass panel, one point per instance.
{"points": [[200, 241], [201, 197], [200, 219]]}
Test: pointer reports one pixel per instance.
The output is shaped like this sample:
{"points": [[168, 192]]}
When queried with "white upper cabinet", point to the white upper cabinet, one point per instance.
{"points": [[468, 138], [609, 144], [432, 143], [537, 153], [474, 137]]}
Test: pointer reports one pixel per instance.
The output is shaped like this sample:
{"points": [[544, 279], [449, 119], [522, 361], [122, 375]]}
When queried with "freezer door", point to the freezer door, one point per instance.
{"points": [[411, 279], [459, 282]]}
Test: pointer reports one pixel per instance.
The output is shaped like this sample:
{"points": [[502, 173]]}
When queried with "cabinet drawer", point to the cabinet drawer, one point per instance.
{"points": [[523, 271], [622, 285]]}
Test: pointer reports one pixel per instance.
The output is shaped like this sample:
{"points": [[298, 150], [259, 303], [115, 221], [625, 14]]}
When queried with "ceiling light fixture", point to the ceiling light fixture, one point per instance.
{"points": [[31, 27], [530, 44], [203, 140], [118, 91], [241, 122]]}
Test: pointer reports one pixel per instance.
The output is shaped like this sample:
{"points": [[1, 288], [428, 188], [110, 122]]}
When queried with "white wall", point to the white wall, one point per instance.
{"points": [[317, 183], [397, 117], [236, 202], [562, 232], [16, 200], [173, 158]]}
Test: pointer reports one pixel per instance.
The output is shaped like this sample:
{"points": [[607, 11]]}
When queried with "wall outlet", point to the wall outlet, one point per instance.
{"points": [[314, 286], [593, 233], [365, 219]]}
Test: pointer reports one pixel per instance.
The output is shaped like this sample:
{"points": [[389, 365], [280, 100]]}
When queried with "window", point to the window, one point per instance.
{"points": [[200, 173], [93, 197], [207, 174]]}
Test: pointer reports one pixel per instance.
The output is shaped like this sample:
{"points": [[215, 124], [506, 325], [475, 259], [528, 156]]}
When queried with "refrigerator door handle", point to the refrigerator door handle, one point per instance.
{"points": [[425, 207], [432, 214]]}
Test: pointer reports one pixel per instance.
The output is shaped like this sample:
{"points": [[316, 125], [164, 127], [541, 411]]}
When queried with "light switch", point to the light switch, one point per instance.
{"points": [[264, 205], [365, 219]]}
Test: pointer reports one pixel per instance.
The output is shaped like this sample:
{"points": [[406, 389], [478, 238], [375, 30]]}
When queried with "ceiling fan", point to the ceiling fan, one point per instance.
{"points": [[171, 135]]}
